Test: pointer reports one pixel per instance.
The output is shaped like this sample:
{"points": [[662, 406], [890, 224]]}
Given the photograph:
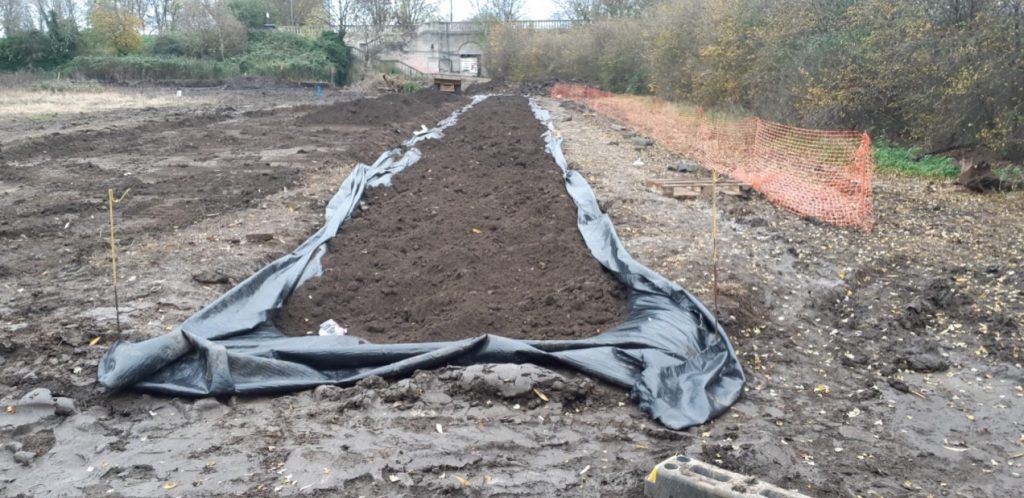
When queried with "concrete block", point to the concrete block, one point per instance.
{"points": [[684, 477]]}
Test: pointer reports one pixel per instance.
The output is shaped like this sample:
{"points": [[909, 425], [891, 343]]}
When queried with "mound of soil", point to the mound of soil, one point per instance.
{"points": [[478, 237], [501, 86], [386, 109]]}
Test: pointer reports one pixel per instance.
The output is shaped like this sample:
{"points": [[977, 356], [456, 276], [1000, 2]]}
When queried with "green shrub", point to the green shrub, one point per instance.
{"points": [[253, 13], [169, 44], [291, 57], [605, 54], [149, 68], [942, 75], [38, 50], [271, 54], [333, 45], [907, 161]]}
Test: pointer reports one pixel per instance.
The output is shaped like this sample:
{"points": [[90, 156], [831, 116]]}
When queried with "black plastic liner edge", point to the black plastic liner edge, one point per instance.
{"points": [[670, 352]]}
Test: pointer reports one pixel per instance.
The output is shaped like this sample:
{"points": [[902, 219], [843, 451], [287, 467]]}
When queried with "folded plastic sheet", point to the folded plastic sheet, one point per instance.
{"points": [[670, 352]]}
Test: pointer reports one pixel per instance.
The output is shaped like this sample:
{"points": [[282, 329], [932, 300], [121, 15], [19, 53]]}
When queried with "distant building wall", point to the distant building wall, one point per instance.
{"points": [[436, 47]]}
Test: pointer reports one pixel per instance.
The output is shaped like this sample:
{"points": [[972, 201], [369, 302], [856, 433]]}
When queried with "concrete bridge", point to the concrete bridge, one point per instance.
{"points": [[433, 48]]}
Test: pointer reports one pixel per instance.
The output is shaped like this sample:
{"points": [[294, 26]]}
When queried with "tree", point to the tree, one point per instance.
{"points": [[15, 16], [211, 29], [117, 28], [375, 16], [343, 11], [414, 12], [592, 10], [64, 36], [66, 11], [498, 10], [38, 49], [254, 14], [333, 44], [374, 13], [409, 14], [580, 10], [162, 14]]}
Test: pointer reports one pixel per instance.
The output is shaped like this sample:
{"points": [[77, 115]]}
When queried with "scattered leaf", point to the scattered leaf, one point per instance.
{"points": [[540, 395], [169, 485], [94, 341], [12, 409], [392, 478], [822, 389], [476, 230], [463, 481], [585, 469], [440, 430]]}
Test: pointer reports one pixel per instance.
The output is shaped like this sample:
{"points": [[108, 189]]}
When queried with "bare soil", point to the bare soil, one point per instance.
{"points": [[477, 237], [886, 364], [198, 218], [383, 110], [883, 364]]}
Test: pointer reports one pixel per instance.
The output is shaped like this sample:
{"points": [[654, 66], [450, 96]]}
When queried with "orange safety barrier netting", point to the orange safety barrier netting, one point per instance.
{"points": [[821, 174]]}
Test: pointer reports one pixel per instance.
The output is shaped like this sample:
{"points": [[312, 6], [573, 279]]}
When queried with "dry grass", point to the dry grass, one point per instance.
{"points": [[38, 97]]}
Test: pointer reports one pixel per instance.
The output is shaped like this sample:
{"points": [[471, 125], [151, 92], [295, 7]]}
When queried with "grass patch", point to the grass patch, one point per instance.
{"points": [[905, 161], [1013, 173], [149, 68], [44, 81]]}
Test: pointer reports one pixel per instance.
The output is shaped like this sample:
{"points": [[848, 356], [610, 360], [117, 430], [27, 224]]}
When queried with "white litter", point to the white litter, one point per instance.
{"points": [[331, 327]]}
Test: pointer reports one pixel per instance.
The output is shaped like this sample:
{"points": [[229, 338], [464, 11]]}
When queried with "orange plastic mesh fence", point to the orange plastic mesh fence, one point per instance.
{"points": [[821, 174]]}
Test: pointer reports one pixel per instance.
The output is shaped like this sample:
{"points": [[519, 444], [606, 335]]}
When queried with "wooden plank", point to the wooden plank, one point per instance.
{"points": [[689, 182], [693, 188], [685, 192]]}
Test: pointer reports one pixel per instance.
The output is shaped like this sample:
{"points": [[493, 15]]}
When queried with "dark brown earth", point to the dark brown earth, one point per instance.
{"points": [[903, 348], [478, 237], [397, 115], [505, 87], [182, 167], [223, 182], [389, 108]]}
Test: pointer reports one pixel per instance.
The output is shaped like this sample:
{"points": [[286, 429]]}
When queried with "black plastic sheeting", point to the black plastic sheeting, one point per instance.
{"points": [[670, 352]]}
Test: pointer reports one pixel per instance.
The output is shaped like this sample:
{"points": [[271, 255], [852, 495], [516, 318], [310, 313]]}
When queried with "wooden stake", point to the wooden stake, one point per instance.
{"points": [[714, 239], [113, 257]]}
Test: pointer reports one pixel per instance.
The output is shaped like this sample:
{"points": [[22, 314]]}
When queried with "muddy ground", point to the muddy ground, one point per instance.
{"points": [[479, 237], [885, 365], [216, 191]]}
